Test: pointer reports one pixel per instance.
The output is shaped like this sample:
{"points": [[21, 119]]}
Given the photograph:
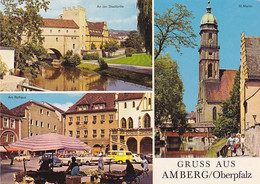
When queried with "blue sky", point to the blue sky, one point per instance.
{"points": [[117, 18], [232, 21], [61, 100]]}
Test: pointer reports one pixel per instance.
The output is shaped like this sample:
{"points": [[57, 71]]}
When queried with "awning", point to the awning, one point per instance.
{"points": [[12, 149], [50, 141], [2, 149]]}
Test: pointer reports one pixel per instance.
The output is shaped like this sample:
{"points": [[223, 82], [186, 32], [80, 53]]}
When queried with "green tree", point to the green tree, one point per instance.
{"points": [[111, 46], [3, 68], [71, 59], [144, 24], [134, 40], [21, 29], [229, 119], [173, 28], [169, 91]]}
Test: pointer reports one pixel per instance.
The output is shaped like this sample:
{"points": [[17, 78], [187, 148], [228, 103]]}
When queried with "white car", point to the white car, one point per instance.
{"points": [[136, 158], [22, 157], [65, 159]]}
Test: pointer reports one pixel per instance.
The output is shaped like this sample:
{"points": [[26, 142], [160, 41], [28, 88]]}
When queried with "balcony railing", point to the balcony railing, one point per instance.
{"points": [[77, 122], [111, 121], [85, 122]]}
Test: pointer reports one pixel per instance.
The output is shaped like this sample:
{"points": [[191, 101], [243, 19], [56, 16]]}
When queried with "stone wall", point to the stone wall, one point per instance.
{"points": [[252, 139]]}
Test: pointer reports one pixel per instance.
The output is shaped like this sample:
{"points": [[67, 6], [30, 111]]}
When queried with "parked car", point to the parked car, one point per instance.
{"points": [[51, 156], [22, 157], [86, 159], [136, 158], [121, 156], [65, 158]]}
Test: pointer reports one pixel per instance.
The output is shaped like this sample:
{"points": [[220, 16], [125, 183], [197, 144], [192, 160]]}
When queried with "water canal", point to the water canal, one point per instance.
{"points": [[187, 148], [73, 79]]}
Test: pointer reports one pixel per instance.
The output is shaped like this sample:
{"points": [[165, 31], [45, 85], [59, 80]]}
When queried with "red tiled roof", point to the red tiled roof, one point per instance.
{"points": [[130, 96], [94, 98], [5, 110], [253, 57], [95, 28], [220, 90], [20, 110], [60, 23]]}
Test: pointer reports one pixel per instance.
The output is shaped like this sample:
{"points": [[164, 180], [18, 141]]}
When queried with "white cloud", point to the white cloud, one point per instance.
{"points": [[64, 107]]}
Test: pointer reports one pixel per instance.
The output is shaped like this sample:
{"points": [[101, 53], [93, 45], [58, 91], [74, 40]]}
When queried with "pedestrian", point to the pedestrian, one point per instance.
{"points": [[230, 143], [243, 146], [144, 165], [236, 143], [130, 172], [73, 168], [12, 158], [101, 163]]}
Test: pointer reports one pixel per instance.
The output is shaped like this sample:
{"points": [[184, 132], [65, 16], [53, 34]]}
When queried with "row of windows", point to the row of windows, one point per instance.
{"points": [[67, 31], [87, 107], [133, 103], [85, 133], [41, 124], [129, 123], [41, 112], [85, 118], [9, 123], [5, 138]]}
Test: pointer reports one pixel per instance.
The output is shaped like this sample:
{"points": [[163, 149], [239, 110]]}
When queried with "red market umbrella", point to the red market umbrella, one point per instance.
{"points": [[50, 141], [2, 149], [12, 149]]}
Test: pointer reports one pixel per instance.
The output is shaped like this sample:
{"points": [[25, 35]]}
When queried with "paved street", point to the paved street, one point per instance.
{"points": [[7, 170]]}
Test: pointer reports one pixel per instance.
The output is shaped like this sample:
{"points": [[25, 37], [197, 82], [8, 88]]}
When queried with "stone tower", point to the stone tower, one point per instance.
{"points": [[78, 14], [208, 59]]}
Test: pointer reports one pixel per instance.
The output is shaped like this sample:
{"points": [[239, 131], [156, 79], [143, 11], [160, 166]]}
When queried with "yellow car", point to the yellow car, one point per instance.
{"points": [[121, 156]]}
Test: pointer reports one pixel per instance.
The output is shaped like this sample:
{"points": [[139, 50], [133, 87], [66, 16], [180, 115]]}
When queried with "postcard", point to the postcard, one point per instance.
{"points": [[207, 91], [76, 137], [76, 45]]}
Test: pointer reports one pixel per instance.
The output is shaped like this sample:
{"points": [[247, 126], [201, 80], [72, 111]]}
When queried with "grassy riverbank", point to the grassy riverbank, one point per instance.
{"points": [[140, 78], [136, 59], [212, 151]]}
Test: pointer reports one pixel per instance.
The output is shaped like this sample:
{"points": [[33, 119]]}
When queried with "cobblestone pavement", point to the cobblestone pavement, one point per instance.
{"points": [[6, 171]]}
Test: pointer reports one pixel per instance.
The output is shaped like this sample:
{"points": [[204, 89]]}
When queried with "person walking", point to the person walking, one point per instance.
{"points": [[236, 143], [144, 165], [243, 146], [101, 163], [231, 142], [12, 158]]}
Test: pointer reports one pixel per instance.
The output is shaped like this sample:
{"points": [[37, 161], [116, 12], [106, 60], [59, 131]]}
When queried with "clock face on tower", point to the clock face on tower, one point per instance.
{"points": [[210, 41]]}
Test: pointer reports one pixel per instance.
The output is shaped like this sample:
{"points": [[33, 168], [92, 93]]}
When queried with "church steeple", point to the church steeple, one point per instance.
{"points": [[209, 49]]}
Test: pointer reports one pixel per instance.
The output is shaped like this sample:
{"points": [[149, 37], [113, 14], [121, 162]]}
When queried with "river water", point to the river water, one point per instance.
{"points": [[73, 79], [196, 148]]}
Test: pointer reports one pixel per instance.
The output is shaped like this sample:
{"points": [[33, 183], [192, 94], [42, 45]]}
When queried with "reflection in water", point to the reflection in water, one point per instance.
{"points": [[72, 79], [185, 148]]}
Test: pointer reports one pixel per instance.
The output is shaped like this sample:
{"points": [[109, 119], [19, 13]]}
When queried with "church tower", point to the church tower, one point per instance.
{"points": [[208, 58]]}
